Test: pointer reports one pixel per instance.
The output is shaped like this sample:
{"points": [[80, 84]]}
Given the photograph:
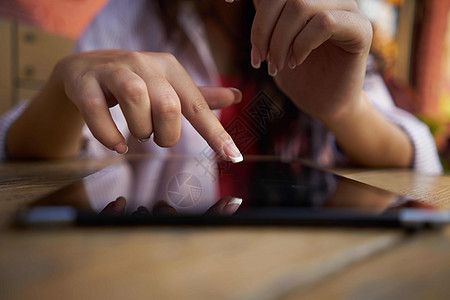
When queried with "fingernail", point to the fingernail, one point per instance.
{"points": [[121, 148], [229, 1], [271, 68], [232, 206], [256, 58], [235, 200], [232, 152], [144, 140], [237, 94], [292, 62]]}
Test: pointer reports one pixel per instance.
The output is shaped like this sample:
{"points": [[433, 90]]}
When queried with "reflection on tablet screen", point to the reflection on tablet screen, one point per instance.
{"points": [[187, 186]]}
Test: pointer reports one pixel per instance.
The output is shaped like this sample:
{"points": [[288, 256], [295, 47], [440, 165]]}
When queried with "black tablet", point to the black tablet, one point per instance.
{"points": [[182, 190]]}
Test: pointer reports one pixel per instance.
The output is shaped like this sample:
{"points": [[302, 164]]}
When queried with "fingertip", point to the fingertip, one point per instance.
{"points": [[237, 95], [166, 141], [121, 148], [232, 152], [255, 58], [119, 205]]}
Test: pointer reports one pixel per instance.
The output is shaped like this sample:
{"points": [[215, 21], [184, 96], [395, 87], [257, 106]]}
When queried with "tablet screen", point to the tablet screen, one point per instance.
{"points": [[264, 188]]}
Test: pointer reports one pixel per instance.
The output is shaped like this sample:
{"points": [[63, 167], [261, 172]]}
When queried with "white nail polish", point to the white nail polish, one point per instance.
{"points": [[232, 152], [255, 58], [236, 159], [256, 65], [272, 70], [292, 65], [235, 200]]}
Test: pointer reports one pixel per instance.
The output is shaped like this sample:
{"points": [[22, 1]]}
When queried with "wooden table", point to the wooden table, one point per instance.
{"points": [[217, 263]]}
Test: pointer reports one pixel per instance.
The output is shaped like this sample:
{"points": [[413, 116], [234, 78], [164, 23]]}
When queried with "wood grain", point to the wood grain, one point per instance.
{"points": [[178, 263], [189, 262], [418, 269]]}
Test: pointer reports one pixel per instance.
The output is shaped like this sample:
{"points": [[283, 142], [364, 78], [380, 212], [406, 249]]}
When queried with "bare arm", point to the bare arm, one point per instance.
{"points": [[317, 53], [368, 139], [50, 127]]}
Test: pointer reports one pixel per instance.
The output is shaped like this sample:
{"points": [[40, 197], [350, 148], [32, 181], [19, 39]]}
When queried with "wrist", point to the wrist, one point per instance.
{"points": [[350, 115], [56, 96]]}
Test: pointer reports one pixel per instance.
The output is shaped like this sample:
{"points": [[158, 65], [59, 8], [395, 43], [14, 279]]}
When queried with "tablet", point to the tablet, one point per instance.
{"points": [[150, 190]]}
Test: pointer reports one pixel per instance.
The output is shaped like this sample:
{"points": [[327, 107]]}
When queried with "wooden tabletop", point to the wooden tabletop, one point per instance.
{"points": [[217, 263]]}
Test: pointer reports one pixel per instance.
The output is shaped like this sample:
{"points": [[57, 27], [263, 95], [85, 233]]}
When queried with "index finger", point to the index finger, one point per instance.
{"points": [[196, 110]]}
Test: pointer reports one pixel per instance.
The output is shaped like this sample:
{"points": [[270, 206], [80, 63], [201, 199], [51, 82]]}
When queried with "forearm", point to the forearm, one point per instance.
{"points": [[49, 128], [368, 139]]}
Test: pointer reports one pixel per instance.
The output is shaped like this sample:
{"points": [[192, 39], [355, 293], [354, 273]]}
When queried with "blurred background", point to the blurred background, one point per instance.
{"points": [[411, 44]]}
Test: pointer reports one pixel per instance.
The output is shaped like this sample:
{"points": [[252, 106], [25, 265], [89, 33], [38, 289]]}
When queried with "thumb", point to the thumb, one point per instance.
{"points": [[220, 97]]}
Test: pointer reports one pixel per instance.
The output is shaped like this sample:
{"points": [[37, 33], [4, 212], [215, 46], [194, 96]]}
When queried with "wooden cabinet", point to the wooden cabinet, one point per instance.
{"points": [[6, 81], [27, 57]]}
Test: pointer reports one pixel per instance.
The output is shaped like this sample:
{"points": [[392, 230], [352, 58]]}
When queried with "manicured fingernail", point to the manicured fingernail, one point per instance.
{"points": [[121, 148], [271, 68], [144, 140], [232, 206], [237, 94], [292, 62], [235, 200], [232, 152], [256, 58]]}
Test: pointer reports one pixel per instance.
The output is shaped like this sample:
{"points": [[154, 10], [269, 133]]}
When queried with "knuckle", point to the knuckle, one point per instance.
{"points": [[77, 81], [88, 105], [64, 65], [133, 89], [168, 106], [169, 59], [199, 106], [363, 40], [168, 64], [325, 21], [134, 56], [297, 6]]}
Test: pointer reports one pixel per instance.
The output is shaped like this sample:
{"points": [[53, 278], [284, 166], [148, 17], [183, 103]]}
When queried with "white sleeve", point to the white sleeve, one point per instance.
{"points": [[426, 158], [127, 25], [5, 123]]}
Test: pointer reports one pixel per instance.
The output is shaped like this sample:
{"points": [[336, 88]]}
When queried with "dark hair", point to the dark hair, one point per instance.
{"points": [[169, 11]]}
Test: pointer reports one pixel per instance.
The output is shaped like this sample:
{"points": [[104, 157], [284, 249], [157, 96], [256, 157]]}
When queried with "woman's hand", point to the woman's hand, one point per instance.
{"points": [[152, 90], [316, 50]]}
